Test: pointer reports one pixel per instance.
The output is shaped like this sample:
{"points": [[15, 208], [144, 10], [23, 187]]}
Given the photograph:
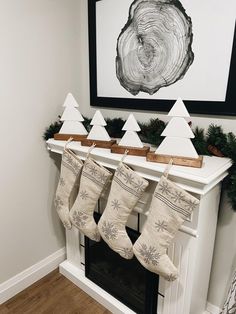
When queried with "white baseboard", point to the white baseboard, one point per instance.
{"points": [[27, 277], [212, 309]]}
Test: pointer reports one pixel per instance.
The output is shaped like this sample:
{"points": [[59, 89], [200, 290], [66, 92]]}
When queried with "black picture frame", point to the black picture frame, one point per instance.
{"points": [[223, 108]]}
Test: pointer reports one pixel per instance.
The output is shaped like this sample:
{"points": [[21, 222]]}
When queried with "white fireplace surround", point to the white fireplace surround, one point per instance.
{"points": [[192, 249]]}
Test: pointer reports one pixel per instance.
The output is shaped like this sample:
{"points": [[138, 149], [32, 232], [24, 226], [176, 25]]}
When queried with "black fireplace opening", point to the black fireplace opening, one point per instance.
{"points": [[126, 280]]}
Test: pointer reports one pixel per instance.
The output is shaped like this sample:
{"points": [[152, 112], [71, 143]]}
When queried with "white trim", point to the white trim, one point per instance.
{"points": [[77, 276], [30, 275], [212, 309]]}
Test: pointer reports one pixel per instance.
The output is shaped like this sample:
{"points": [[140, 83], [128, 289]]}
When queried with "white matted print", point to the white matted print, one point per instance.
{"points": [[205, 78]]}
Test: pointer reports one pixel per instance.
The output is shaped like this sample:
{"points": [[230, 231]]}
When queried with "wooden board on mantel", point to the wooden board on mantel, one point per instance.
{"points": [[135, 151], [176, 160], [65, 137], [98, 143]]}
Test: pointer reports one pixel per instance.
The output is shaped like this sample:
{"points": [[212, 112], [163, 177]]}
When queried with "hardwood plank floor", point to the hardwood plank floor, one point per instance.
{"points": [[53, 294]]}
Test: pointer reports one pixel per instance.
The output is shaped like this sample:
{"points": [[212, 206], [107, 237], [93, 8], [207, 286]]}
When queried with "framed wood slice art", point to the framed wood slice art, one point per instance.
{"points": [[145, 54]]}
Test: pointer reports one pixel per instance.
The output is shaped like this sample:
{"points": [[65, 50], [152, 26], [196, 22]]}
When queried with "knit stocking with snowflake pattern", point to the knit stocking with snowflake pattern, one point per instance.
{"points": [[126, 189], [71, 167], [170, 207], [93, 180]]}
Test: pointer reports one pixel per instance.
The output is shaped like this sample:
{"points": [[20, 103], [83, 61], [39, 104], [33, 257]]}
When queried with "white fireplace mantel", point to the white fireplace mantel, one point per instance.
{"points": [[192, 249]]}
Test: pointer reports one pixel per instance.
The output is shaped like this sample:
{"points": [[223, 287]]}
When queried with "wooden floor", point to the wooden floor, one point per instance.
{"points": [[53, 294]]}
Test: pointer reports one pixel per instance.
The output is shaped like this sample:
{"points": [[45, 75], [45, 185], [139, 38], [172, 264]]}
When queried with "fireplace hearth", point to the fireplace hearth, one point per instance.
{"points": [[126, 280]]}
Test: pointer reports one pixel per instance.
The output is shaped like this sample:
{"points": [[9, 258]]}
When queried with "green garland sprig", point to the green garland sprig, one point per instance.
{"points": [[212, 142]]}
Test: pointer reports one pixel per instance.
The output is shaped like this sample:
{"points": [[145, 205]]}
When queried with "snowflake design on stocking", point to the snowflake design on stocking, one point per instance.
{"points": [[149, 254], [127, 253], [115, 204], [103, 177], [171, 277], [190, 205], [109, 230], [139, 186], [80, 219], [84, 195], [160, 226], [58, 202], [128, 178], [119, 172], [177, 197], [93, 171], [165, 188]]}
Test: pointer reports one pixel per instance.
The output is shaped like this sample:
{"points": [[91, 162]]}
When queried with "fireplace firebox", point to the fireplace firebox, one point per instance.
{"points": [[126, 280]]}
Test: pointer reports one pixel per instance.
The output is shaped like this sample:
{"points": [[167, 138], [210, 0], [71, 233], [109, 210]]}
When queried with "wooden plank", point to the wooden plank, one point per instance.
{"points": [[101, 144], [52, 294], [65, 137], [177, 160], [136, 151]]}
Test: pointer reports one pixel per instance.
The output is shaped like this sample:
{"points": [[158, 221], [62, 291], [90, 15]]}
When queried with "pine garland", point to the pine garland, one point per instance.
{"points": [[212, 142], [52, 129]]}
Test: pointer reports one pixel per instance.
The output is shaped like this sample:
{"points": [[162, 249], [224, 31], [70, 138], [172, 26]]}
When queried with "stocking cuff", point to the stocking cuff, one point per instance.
{"points": [[130, 180], [95, 172], [71, 161], [175, 197]]}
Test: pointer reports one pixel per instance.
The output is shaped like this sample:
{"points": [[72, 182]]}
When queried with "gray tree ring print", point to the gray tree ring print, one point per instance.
{"points": [[154, 47]]}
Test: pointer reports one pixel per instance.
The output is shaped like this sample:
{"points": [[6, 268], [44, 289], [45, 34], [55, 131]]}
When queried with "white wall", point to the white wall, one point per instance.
{"points": [[44, 54], [38, 55], [224, 257]]}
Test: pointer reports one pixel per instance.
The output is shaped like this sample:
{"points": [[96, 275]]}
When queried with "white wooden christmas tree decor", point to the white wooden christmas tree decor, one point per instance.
{"points": [[130, 141], [177, 143], [70, 101], [72, 121], [98, 134], [179, 109]]}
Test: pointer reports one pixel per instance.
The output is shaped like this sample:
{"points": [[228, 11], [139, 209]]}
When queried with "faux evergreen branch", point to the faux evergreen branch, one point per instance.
{"points": [[86, 123], [52, 129], [216, 137], [199, 142], [151, 131], [114, 127]]}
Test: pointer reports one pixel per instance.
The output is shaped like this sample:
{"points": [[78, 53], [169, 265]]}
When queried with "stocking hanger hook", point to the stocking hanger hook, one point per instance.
{"points": [[90, 149], [168, 167], [68, 142], [125, 154]]}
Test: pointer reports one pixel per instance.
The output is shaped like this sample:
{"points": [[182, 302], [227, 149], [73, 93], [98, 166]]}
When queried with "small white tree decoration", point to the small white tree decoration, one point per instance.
{"points": [[177, 143], [131, 137], [98, 131], [130, 141], [98, 134], [72, 121]]}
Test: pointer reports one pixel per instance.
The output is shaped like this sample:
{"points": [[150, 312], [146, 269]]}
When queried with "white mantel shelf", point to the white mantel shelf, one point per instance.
{"points": [[196, 180]]}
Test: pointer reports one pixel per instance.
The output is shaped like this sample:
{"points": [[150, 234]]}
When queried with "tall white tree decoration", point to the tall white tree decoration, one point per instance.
{"points": [[72, 121], [177, 143], [70, 101], [98, 134], [130, 142]]}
